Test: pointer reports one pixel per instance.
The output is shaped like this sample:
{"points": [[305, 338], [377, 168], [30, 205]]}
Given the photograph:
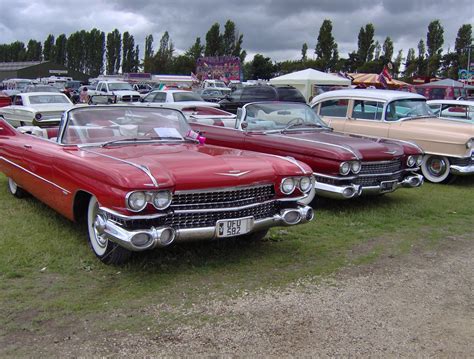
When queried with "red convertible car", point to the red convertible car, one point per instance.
{"points": [[139, 179], [344, 166]]}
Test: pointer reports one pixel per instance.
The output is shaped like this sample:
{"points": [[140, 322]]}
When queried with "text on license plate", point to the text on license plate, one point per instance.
{"points": [[234, 227], [387, 186]]}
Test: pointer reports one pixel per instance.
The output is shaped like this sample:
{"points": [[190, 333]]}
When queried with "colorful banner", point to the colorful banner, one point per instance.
{"points": [[223, 68]]}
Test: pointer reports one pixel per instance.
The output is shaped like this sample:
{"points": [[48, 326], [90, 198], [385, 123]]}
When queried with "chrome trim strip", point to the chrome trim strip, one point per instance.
{"points": [[334, 177], [462, 170], [380, 162], [321, 143], [289, 159], [132, 217], [213, 210], [65, 191], [143, 168]]}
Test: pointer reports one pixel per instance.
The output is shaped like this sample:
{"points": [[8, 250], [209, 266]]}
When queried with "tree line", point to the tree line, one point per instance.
{"points": [[93, 52]]}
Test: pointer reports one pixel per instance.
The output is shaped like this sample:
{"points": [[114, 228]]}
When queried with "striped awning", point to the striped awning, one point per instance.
{"points": [[373, 80]]}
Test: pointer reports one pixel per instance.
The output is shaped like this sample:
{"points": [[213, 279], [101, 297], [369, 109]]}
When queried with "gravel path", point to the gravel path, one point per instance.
{"points": [[416, 305]]}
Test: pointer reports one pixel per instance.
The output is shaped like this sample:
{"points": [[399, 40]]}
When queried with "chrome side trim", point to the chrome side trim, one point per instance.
{"points": [[321, 143], [462, 170], [143, 168], [65, 191]]}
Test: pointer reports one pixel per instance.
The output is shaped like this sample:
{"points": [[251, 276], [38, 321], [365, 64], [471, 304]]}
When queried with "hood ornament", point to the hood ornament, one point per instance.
{"points": [[233, 173]]}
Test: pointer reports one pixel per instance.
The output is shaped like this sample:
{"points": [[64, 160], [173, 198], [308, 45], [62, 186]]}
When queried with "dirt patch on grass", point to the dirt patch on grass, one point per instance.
{"points": [[415, 304]]}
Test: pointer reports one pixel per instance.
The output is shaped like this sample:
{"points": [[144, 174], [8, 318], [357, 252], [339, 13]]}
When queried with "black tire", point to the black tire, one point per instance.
{"points": [[16, 190], [254, 236], [436, 169], [107, 251]]}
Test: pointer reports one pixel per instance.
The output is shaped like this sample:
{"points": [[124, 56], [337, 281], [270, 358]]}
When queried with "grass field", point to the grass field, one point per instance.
{"points": [[48, 273]]}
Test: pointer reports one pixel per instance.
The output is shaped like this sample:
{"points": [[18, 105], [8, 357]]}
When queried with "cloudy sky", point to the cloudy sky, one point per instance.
{"points": [[274, 28]]}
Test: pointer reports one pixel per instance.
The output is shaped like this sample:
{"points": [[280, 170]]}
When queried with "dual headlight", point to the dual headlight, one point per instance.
{"points": [[350, 166], [289, 184], [470, 143], [138, 200], [414, 161]]}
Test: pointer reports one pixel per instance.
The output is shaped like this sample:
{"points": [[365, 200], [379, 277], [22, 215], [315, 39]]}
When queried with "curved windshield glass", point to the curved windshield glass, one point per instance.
{"points": [[281, 116], [406, 109], [186, 96], [118, 86], [123, 124]]}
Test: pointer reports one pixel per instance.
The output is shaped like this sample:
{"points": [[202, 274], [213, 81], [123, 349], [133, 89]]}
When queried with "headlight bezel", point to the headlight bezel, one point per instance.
{"points": [[292, 179], [357, 170], [309, 186], [342, 167], [149, 198], [470, 143], [411, 161]]}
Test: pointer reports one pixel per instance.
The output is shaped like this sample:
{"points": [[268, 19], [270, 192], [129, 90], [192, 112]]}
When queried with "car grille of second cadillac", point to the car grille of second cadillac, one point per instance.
{"points": [[381, 167], [201, 209]]}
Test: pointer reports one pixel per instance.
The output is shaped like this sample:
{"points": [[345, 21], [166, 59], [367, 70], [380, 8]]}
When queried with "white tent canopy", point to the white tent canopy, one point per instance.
{"points": [[305, 80]]}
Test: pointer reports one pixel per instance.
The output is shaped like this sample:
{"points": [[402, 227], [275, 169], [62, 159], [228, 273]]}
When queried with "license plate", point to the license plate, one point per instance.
{"points": [[234, 227], [387, 186]]}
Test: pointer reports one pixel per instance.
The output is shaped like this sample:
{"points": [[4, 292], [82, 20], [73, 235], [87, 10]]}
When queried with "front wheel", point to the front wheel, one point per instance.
{"points": [[436, 169], [107, 251], [15, 190]]}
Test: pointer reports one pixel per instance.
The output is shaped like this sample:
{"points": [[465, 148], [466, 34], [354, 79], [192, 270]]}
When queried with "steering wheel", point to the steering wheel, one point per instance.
{"points": [[293, 122]]}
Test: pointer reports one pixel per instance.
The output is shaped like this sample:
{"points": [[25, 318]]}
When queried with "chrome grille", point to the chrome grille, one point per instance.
{"points": [[375, 180], [381, 167], [51, 115], [463, 161], [129, 98], [203, 219], [222, 199]]}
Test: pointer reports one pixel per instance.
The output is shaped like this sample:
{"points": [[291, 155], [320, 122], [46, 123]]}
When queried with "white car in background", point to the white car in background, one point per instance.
{"points": [[167, 98], [460, 110], [36, 109]]}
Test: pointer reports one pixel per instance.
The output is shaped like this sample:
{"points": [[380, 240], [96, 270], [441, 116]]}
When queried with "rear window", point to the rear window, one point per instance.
{"points": [[290, 94], [258, 93], [334, 108]]}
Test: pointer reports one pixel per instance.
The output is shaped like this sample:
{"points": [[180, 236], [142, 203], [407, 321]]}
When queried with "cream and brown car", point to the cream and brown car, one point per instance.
{"points": [[448, 145]]}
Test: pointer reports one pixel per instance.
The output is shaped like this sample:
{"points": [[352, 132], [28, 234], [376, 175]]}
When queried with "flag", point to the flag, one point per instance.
{"points": [[194, 77]]}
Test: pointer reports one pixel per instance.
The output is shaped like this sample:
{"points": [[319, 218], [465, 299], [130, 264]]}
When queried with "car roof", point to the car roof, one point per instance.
{"points": [[169, 91], [452, 102], [42, 93], [384, 95]]}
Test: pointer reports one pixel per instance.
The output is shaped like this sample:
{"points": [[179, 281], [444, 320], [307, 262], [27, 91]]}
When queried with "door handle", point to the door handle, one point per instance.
{"points": [[27, 146]]}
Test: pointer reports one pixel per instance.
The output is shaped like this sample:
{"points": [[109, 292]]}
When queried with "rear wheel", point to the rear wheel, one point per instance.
{"points": [[15, 190], [107, 251], [436, 169]]}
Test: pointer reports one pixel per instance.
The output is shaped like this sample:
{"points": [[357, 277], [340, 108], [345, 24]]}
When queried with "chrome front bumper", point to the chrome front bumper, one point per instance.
{"points": [[353, 190], [462, 170], [163, 236]]}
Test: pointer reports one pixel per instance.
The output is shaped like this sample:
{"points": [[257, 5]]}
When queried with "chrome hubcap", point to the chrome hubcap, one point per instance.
{"points": [[13, 186], [99, 227], [437, 166]]}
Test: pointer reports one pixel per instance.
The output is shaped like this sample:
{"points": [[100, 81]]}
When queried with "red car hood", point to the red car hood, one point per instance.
{"points": [[345, 146], [189, 166]]}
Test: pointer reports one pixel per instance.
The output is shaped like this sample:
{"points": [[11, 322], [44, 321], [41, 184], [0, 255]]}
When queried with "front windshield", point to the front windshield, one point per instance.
{"points": [[116, 123], [281, 116], [118, 86], [47, 99], [407, 108], [186, 96]]}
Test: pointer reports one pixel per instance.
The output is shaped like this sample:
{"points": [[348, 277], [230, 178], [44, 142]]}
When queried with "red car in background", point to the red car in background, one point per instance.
{"points": [[5, 100], [344, 166]]}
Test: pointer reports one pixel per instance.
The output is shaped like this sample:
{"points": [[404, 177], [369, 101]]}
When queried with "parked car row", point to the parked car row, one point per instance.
{"points": [[141, 177]]}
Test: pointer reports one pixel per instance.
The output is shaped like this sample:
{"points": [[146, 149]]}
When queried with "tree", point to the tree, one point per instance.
{"points": [[366, 46], [76, 51], [128, 50], [195, 51], [60, 49], [113, 47], [421, 61], [238, 52], [48, 48], [463, 40], [388, 49], [261, 68], [410, 64], [326, 47], [148, 59], [434, 43], [164, 56], [304, 50], [33, 51], [95, 53], [377, 50], [228, 38], [213, 41], [397, 63]]}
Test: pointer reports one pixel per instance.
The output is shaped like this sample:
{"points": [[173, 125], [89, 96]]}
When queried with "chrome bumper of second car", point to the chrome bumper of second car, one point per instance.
{"points": [[462, 170], [353, 190], [163, 236]]}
